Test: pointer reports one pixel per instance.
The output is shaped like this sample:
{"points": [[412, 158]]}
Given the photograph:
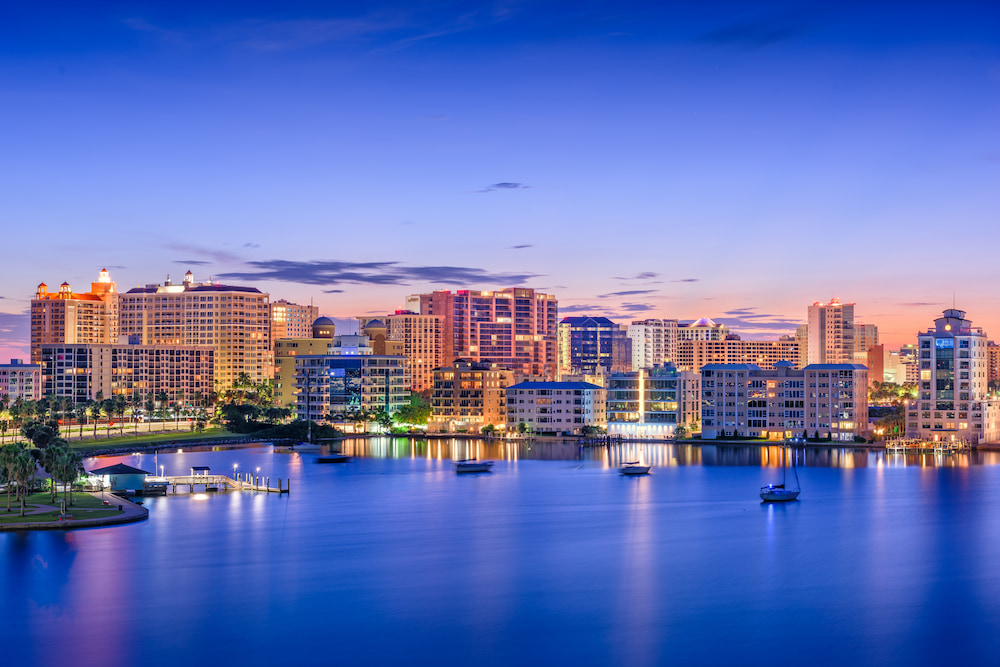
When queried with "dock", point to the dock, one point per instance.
{"points": [[927, 446], [161, 486]]}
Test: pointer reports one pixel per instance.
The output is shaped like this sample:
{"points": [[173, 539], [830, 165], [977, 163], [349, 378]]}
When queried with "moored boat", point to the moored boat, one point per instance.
{"points": [[633, 468], [333, 457], [473, 465], [778, 493]]}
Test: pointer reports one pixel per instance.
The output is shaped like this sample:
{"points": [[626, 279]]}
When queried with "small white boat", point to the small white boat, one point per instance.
{"points": [[633, 468], [472, 465]]}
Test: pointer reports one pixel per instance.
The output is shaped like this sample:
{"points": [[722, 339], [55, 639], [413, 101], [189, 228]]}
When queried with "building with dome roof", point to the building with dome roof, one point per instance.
{"points": [[702, 329], [287, 350]]}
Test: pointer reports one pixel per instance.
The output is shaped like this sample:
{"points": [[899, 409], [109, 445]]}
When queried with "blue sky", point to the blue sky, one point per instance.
{"points": [[636, 159]]}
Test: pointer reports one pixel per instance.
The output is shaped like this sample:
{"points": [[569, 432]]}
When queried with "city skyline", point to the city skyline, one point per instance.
{"points": [[635, 161]]}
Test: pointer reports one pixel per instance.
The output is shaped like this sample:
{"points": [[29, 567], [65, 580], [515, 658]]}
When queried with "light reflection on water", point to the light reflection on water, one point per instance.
{"points": [[554, 558]]}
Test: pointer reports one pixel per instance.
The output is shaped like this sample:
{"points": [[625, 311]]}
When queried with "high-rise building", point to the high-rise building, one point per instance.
{"points": [[875, 362], [865, 338], [514, 327], [79, 372], [290, 320], [378, 333], [20, 380], [468, 396], [587, 344], [831, 333], [419, 339], [830, 400], [653, 402], [693, 354], [802, 338], [234, 320], [702, 329], [993, 365], [70, 317], [953, 401], [654, 342]]}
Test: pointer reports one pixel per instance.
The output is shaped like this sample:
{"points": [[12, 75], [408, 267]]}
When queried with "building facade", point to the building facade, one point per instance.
{"points": [[831, 333], [555, 407], [653, 402], [654, 342], [21, 380], [69, 317], [81, 372], [335, 386], [285, 352], [291, 320], [953, 401], [469, 395], [420, 337], [693, 354], [515, 328], [993, 365], [828, 400], [235, 321], [587, 344]]}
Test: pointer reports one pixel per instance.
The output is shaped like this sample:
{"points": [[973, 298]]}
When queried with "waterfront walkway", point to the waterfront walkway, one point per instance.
{"points": [[129, 514]]}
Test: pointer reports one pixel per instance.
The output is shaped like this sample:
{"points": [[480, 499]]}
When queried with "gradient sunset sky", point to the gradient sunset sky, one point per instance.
{"points": [[636, 159]]}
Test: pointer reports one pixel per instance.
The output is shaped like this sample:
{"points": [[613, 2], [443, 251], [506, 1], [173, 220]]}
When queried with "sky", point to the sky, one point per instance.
{"points": [[635, 159]]}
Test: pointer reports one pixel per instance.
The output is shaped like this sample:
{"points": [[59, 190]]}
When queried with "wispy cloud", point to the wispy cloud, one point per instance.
{"points": [[750, 319], [632, 292], [521, 247], [15, 329], [334, 272], [581, 308], [214, 254], [506, 185], [333, 291], [918, 304], [192, 262], [637, 307], [686, 280], [251, 245], [645, 275]]}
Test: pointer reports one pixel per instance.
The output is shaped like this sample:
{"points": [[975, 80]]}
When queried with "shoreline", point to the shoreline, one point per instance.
{"points": [[131, 514]]}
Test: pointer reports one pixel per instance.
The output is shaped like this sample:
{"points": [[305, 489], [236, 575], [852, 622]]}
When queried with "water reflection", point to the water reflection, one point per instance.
{"points": [[654, 454]]}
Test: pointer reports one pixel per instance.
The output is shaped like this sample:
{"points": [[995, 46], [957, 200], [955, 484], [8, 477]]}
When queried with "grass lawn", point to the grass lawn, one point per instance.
{"points": [[141, 439], [85, 506]]}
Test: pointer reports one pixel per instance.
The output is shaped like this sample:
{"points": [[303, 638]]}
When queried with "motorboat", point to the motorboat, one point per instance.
{"points": [[779, 493], [333, 457], [473, 465], [633, 468]]}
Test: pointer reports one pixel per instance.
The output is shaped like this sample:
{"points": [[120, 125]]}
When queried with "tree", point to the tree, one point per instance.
{"points": [[40, 433], [23, 470], [8, 458], [488, 430], [523, 428], [50, 461], [681, 431], [383, 418], [67, 468], [417, 412]]}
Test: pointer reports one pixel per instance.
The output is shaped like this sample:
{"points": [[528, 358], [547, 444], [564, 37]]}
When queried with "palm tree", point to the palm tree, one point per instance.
{"points": [[8, 458], [68, 467], [23, 471], [177, 408]]}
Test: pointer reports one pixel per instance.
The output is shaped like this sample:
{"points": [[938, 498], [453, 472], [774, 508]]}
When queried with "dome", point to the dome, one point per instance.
{"points": [[703, 322], [323, 322], [375, 324]]}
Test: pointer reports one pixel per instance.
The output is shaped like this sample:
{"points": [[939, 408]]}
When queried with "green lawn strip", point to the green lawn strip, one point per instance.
{"points": [[132, 441], [45, 517]]}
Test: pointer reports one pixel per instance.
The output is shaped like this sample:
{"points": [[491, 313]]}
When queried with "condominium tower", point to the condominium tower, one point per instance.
{"points": [[654, 342], [66, 316], [831, 333], [515, 327]]}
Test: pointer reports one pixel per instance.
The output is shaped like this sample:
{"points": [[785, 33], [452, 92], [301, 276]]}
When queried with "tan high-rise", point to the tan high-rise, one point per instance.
{"points": [[69, 317]]}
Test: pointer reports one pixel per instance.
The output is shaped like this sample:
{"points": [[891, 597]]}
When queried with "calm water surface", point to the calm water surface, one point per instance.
{"points": [[554, 558]]}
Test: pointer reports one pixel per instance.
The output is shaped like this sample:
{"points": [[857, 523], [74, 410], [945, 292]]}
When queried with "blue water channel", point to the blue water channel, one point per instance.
{"points": [[554, 558]]}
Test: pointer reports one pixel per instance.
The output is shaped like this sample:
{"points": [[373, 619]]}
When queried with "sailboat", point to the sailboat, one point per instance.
{"points": [[778, 493]]}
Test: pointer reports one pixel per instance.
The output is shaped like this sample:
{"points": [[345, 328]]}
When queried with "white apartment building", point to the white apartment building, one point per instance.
{"points": [[830, 400], [953, 402], [654, 342], [21, 380], [555, 407], [831, 333]]}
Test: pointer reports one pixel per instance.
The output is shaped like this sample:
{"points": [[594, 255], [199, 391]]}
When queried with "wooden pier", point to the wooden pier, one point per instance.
{"points": [[914, 446], [241, 482]]}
